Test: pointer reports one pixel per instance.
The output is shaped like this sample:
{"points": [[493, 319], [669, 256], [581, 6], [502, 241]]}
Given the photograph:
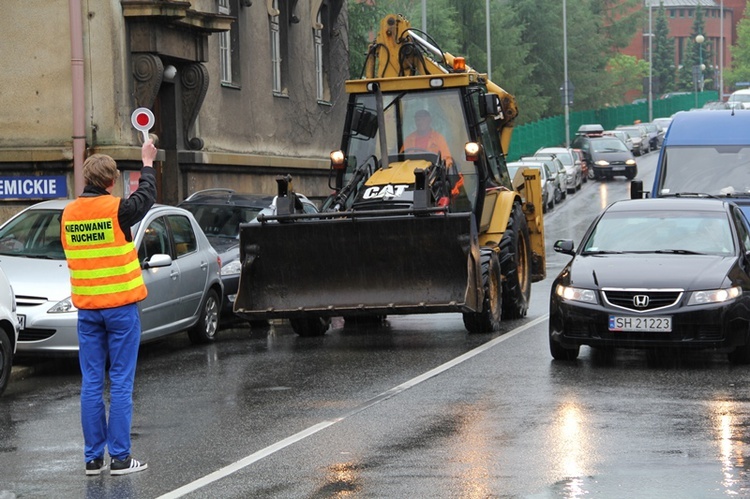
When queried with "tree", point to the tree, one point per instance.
{"points": [[697, 54], [740, 70], [622, 18], [663, 72], [365, 17], [627, 73], [363, 22]]}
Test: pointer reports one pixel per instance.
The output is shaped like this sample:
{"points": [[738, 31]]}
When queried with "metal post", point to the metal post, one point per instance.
{"points": [[565, 67], [489, 49], [721, 52], [424, 15], [650, 66]]}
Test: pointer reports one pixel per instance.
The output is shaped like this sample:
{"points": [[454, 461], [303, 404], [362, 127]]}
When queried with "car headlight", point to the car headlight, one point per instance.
{"points": [[576, 294], [630, 162], [714, 296], [232, 268], [62, 307], [602, 162]]}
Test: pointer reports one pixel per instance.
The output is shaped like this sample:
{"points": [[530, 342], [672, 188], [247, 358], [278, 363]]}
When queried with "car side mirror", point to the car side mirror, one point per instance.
{"points": [[364, 122], [636, 189], [565, 246], [158, 260], [490, 105]]}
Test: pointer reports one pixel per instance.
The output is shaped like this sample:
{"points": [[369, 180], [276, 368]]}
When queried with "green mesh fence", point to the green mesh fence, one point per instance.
{"points": [[550, 132]]}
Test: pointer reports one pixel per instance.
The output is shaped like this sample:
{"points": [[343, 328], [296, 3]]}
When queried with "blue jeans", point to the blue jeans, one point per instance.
{"points": [[114, 334]]}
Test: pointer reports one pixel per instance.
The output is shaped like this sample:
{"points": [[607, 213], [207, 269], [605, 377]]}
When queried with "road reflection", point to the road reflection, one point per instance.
{"points": [[571, 451], [603, 196], [728, 427]]}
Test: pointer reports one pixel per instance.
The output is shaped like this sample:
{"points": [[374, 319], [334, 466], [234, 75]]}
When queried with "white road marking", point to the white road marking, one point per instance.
{"points": [[312, 430]]}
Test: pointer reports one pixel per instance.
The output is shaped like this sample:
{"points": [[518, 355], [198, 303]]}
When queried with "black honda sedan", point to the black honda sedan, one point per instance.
{"points": [[656, 274]]}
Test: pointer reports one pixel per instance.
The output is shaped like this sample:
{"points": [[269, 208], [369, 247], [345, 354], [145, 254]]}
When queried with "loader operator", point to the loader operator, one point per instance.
{"points": [[427, 138]]}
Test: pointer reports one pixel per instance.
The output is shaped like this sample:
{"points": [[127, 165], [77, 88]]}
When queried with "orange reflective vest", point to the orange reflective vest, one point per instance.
{"points": [[104, 267]]}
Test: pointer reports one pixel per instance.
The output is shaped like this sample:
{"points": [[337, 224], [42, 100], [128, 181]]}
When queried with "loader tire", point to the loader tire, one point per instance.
{"points": [[515, 265], [488, 320], [310, 326]]}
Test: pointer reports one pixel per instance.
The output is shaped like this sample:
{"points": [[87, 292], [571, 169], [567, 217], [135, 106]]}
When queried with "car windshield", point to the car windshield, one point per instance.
{"points": [[608, 145], [515, 166], [739, 98], [632, 132], [565, 157], [33, 234], [222, 221], [677, 232], [716, 170]]}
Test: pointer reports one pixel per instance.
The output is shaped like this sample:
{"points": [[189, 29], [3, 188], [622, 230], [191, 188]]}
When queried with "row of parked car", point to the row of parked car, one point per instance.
{"points": [[189, 256], [596, 154], [563, 171]]}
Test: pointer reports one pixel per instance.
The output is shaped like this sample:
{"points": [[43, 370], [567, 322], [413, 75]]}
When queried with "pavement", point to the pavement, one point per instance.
{"points": [[21, 372]]}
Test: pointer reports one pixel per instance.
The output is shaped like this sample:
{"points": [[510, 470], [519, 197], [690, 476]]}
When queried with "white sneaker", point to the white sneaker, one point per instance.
{"points": [[128, 465]]}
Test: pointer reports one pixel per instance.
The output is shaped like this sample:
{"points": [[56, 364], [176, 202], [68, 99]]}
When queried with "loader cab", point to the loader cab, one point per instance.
{"points": [[422, 127]]}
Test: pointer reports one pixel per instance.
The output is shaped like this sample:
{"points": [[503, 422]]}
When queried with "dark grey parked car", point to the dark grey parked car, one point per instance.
{"points": [[220, 212]]}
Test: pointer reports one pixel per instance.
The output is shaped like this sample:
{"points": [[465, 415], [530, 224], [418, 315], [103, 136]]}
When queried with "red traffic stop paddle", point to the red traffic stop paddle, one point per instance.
{"points": [[142, 120]]}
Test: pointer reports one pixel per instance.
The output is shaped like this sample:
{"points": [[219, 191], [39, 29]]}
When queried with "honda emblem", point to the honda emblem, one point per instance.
{"points": [[640, 301]]}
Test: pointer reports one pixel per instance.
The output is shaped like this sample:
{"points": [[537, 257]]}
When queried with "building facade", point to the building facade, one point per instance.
{"points": [[241, 90], [720, 32]]}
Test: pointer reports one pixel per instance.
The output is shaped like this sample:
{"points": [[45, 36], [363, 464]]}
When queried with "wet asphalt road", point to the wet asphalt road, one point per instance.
{"points": [[417, 408]]}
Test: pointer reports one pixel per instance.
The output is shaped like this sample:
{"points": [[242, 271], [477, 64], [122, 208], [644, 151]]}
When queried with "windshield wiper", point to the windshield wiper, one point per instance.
{"points": [[679, 252], [689, 195], [602, 252]]}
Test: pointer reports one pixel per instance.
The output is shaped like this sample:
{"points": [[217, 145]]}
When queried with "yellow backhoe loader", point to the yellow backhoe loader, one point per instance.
{"points": [[424, 217]]}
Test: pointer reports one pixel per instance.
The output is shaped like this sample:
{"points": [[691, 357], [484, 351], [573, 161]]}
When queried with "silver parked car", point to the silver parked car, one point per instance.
{"points": [[574, 175], [180, 268], [8, 330], [548, 180], [639, 137]]}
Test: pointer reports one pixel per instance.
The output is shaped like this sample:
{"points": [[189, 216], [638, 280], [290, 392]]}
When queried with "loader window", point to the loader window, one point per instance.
{"points": [[446, 112]]}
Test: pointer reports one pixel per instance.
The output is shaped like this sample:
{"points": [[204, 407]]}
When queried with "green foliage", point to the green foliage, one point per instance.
{"points": [[695, 55], [740, 70], [621, 19], [526, 43], [663, 58], [627, 73]]}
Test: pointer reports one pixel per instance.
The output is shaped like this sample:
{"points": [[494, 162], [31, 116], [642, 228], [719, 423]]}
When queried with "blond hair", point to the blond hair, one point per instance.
{"points": [[100, 170]]}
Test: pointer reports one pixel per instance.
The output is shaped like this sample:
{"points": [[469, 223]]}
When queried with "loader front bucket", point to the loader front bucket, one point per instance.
{"points": [[363, 266]]}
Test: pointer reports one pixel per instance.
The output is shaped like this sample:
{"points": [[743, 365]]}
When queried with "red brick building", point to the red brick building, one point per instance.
{"points": [[680, 17]]}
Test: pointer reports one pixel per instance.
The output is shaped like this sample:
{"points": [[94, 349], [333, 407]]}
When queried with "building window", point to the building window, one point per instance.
{"points": [[275, 52], [672, 13], [690, 12], [682, 12], [229, 44], [318, 44], [279, 27]]}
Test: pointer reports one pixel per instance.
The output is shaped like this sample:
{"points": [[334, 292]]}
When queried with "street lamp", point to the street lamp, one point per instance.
{"points": [[698, 68], [699, 39]]}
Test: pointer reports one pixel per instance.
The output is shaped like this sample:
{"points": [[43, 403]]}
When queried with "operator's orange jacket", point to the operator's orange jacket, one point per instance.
{"points": [[104, 267], [432, 141]]}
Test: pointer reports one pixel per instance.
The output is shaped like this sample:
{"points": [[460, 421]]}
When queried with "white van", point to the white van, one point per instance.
{"points": [[740, 99]]}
